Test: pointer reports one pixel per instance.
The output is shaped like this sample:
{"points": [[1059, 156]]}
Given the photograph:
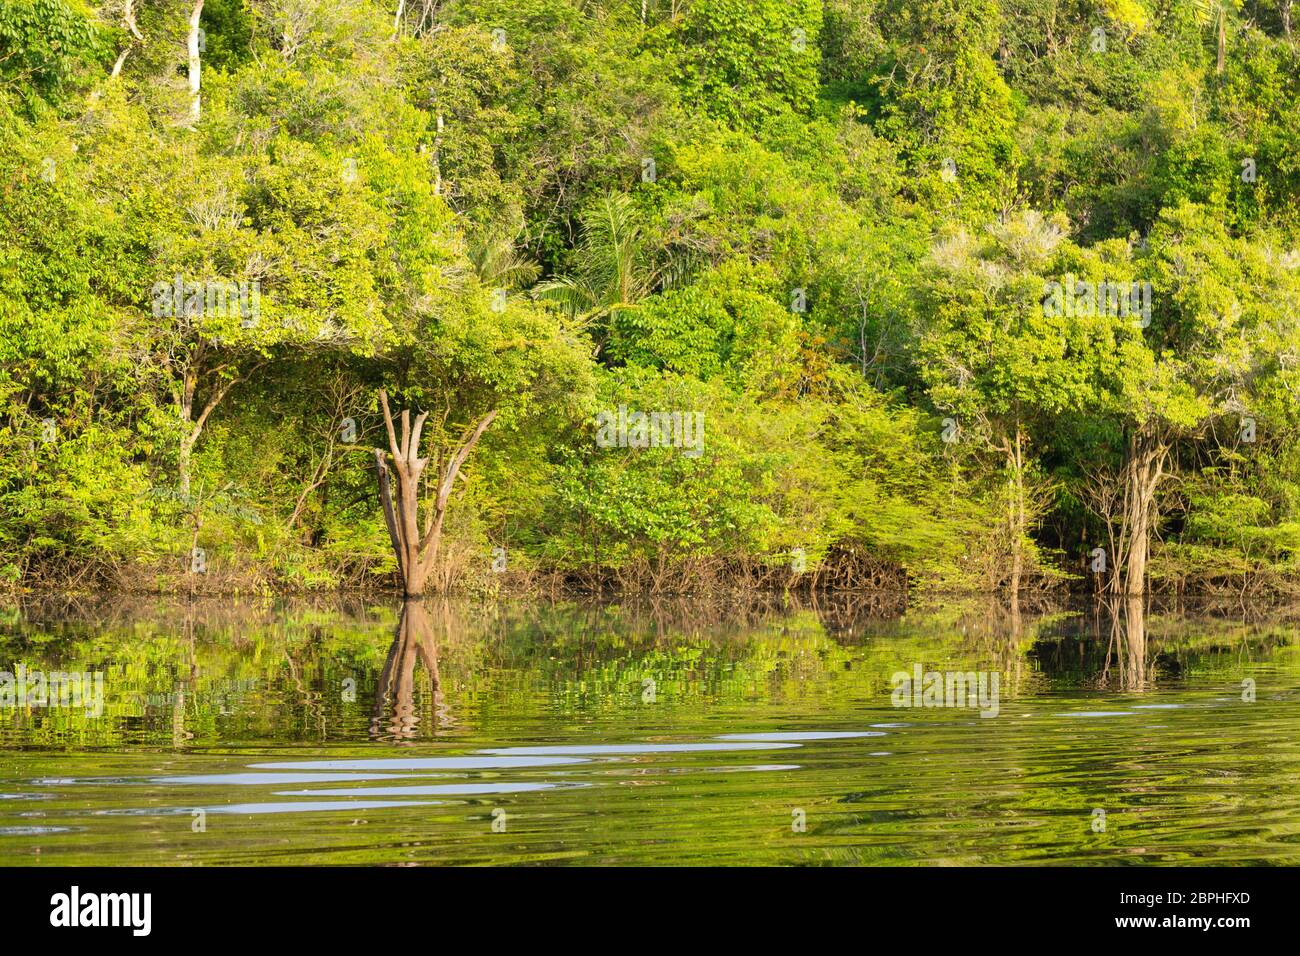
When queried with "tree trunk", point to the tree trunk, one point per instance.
{"points": [[183, 465], [188, 438], [194, 427], [1135, 568], [192, 45], [1223, 41], [1143, 471], [128, 18], [1135, 639], [416, 550], [118, 64], [1016, 510]]}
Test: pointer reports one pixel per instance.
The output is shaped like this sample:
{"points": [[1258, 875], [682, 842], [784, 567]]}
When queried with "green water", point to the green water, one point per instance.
{"points": [[638, 733]]}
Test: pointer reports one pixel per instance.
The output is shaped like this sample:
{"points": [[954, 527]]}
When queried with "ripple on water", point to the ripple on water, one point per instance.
{"points": [[504, 762], [804, 735], [596, 749], [444, 789], [258, 808]]}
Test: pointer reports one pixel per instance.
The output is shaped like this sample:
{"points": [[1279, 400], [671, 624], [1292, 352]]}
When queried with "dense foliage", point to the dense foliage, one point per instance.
{"points": [[940, 293]]}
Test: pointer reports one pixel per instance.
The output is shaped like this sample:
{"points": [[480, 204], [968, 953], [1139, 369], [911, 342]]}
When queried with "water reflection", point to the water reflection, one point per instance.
{"points": [[542, 710], [394, 716], [1126, 648]]}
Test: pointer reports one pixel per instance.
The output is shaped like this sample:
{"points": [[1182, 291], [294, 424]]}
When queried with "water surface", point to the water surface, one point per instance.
{"points": [[349, 732]]}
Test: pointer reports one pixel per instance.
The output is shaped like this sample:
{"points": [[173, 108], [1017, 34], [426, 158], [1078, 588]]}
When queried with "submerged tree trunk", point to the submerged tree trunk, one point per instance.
{"points": [[1135, 639], [1126, 650], [416, 548]]}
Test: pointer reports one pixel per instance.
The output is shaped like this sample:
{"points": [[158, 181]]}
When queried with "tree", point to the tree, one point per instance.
{"points": [[192, 49], [45, 47], [416, 545], [613, 269], [746, 61], [1222, 317], [942, 98], [1000, 361]]}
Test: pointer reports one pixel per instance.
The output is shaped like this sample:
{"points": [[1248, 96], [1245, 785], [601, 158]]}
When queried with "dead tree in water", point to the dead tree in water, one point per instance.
{"points": [[416, 547]]}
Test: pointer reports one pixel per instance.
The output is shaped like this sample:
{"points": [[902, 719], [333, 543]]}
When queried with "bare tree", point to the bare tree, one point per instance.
{"points": [[193, 47], [342, 397], [417, 18], [1126, 504], [416, 548], [192, 44], [128, 20]]}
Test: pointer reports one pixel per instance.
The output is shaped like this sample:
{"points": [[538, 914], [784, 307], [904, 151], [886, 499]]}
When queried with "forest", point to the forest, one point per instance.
{"points": [[668, 296]]}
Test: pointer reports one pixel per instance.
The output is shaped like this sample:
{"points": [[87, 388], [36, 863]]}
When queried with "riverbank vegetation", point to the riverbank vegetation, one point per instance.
{"points": [[930, 294]]}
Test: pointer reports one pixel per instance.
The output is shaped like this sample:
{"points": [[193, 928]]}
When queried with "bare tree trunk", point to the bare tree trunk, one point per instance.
{"points": [[417, 549], [118, 64], [1223, 40], [1016, 510], [1286, 17], [128, 17], [1135, 568], [1135, 639], [1144, 469], [192, 44]]}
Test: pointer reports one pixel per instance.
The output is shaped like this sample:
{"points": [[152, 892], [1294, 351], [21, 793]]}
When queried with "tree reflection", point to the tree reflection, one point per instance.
{"points": [[397, 714], [1127, 647]]}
